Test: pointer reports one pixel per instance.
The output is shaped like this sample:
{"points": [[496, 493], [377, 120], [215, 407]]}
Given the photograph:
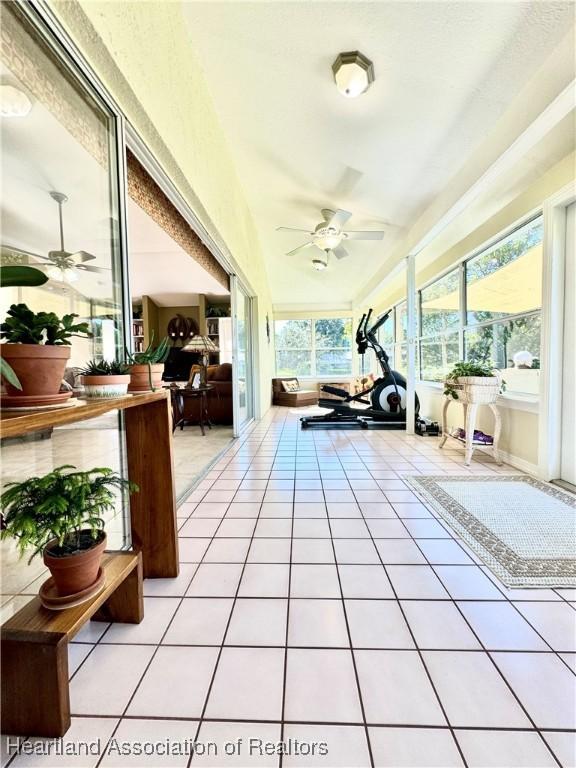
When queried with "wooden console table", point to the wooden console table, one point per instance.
{"points": [[35, 689], [150, 466]]}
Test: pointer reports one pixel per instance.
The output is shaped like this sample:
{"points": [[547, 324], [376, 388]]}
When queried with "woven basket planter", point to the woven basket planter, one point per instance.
{"points": [[477, 389]]}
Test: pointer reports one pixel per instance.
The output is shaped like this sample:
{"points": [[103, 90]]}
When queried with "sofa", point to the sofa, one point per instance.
{"points": [[220, 410], [299, 397]]}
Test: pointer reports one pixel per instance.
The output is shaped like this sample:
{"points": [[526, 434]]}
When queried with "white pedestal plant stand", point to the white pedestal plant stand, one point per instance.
{"points": [[472, 392]]}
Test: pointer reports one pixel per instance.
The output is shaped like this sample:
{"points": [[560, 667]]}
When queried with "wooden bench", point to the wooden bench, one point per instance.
{"points": [[35, 688]]}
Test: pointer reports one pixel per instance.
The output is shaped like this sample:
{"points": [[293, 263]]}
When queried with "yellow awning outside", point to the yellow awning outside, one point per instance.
{"points": [[515, 288]]}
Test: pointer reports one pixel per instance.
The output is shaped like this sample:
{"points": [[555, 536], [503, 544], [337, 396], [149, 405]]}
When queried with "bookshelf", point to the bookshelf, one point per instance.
{"points": [[219, 329], [137, 334]]}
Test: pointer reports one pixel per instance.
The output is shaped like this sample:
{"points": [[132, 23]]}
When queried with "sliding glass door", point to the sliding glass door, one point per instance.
{"points": [[242, 357]]}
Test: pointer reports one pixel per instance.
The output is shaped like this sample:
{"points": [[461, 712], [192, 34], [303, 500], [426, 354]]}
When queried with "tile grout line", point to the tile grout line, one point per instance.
{"points": [[221, 649], [285, 672], [422, 660], [488, 654], [158, 646], [351, 649]]}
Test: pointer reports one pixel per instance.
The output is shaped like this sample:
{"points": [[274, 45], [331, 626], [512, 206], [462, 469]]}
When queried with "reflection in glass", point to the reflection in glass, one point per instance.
{"points": [[438, 356], [401, 323], [64, 145], [440, 305], [513, 347], [243, 356]]}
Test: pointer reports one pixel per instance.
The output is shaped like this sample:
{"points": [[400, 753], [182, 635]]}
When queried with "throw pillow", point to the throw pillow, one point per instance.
{"points": [[291, 385]]}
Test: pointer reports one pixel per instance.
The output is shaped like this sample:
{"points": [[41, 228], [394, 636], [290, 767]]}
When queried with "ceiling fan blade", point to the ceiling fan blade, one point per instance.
{"points": [[338, 218], [372, 235], [300, 248], [82, 256], [293, 229], [87, 268], [340, 252]]}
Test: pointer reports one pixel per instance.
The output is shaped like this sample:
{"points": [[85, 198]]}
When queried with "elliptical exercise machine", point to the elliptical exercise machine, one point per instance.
{"points": [[386, 398]]}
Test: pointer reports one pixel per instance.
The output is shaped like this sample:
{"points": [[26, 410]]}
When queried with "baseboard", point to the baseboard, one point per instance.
{"points": [[517, 463]]}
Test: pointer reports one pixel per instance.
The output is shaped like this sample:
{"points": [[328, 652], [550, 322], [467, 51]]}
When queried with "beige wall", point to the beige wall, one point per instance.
{"points": [[519, 428], [165, 314], [137, 50], [150, 320]]}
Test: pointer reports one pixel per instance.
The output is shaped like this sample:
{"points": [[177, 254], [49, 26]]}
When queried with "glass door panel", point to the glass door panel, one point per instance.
{"points": [[242, 356], [60, 214]]}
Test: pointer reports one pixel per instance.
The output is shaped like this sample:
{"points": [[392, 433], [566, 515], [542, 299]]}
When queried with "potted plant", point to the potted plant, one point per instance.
{"points": [[18, 276], [103, 379], [37, 347], [473, 383], [147, 367], [60, 515]]}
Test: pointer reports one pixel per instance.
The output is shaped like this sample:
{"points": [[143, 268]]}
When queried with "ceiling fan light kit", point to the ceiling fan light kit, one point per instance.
{"points": [[329, 235], [353, 73]]}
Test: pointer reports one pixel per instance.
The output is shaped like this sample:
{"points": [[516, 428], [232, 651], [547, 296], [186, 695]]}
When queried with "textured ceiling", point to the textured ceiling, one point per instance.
{"points": [[445, 74]]}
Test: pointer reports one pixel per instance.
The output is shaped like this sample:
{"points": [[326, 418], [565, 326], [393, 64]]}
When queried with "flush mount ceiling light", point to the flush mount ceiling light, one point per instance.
{"points": [[353, 73], [13, 101]]}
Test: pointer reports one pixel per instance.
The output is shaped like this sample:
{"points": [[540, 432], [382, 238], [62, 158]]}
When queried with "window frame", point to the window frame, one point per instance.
{"points": [[313, 348], [464, 326]]}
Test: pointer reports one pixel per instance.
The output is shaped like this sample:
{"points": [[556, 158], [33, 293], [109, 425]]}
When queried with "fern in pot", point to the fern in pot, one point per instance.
{"points": [[473, 383], [60, 516], [103, 379]]}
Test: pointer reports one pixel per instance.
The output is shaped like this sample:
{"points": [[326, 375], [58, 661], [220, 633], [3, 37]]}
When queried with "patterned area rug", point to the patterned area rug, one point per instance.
{"points": [[524, 530]]}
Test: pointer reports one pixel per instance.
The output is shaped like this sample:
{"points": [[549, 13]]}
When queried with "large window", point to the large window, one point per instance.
{"points": [[321, 347], [487, 310]]}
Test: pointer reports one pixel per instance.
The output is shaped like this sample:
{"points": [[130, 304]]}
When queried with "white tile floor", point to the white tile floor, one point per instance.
{"points": [[320, 601]]}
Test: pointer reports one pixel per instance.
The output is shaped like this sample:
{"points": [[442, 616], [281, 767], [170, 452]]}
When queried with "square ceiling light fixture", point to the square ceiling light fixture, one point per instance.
{"points": [[353, 73]]}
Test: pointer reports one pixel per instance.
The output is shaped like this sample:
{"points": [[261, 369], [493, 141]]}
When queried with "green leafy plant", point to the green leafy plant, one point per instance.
{"points": [[23, 326], [464, 368], [152, 355], [61, 505], [18, 277], [216, 311], [104, 368]]}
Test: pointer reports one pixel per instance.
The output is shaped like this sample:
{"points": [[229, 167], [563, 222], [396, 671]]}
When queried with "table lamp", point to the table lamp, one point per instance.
{"points": [[204, 345]]}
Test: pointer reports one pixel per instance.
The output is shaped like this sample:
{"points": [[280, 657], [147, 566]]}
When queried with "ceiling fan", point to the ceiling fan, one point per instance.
{"points": [[329, 236], [63, 264]]}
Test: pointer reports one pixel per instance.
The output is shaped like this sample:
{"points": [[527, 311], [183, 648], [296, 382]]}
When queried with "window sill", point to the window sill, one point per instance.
{"points": [[513, 400]]}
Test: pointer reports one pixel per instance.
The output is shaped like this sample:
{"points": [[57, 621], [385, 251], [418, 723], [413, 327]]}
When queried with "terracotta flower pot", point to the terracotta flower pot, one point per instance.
{"points": [[102, 387], [39, 367], [76, 572], [140, 377]]}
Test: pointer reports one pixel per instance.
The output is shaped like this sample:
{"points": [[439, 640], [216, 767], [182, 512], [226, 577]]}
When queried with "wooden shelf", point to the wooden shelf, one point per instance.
{"points": [[35, 618], [35, 679], [17, 423], [148, 424]]}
